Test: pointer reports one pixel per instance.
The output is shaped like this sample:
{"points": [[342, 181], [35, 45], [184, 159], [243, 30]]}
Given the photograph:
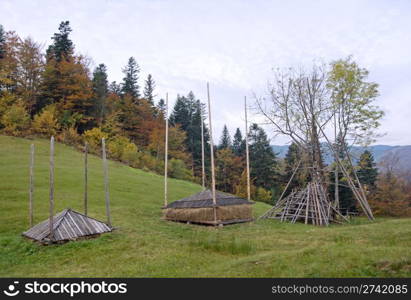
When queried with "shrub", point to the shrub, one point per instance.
{"points": [[93, 138], [70, 137], [178, 169], [15, 120], [45, 123], [121, 148], [263, 195]]}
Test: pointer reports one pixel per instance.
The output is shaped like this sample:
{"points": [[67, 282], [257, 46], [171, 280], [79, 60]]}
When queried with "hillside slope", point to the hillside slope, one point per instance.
{"points": [[146, 246]]}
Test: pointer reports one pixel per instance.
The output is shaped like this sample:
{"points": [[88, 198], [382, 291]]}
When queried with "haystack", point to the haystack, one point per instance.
{"points": [[68, 225], [199, 209]]}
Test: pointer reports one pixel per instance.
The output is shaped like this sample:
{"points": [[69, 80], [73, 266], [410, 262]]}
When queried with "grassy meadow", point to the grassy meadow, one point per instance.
{"points": [[146, 246]]}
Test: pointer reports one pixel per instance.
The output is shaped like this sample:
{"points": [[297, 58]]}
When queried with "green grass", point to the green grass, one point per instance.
{"points": [[146, 246]]}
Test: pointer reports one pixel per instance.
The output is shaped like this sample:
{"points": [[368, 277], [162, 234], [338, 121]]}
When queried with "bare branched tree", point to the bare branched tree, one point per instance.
{"points": [[298, 104]]}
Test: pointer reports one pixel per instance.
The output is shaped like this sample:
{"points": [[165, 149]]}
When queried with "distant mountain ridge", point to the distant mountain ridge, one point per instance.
{"points": [[379, 152]]}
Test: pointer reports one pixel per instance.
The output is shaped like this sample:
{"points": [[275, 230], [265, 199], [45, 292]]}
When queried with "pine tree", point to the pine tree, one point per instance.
{"points": [[100, 89], [367, 170], [291, 160], [115, 88], [187, 113], [149, 89], [2, 42], [62, 46], [238, 144], [66, 83], [130, 81], [263, 161], [161, 107], [225, 140]]}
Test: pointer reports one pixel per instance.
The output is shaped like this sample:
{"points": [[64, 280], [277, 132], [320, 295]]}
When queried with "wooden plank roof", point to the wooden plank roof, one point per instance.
{"points": [[205, 199], [67, 225]]}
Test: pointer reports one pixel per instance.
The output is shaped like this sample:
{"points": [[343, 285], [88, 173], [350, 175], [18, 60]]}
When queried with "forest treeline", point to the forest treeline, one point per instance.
{"points": [[55, 92]]}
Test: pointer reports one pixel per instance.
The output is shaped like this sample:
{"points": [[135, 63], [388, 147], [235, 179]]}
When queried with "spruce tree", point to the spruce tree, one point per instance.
{"points": [[2, 42], [187, 114], [291, 160], [130, 81], [367, 170], [263, 161], [62, 46], [238, 143], [100, 89], [225, 140], [161, 107], [149, 89], [115, 88]]}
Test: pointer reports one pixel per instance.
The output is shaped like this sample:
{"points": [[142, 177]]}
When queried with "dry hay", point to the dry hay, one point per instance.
{"points": [[205, 215]]}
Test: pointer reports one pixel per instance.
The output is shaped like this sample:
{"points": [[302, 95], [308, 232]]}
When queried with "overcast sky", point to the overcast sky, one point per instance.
{"points": [[234, 45]]}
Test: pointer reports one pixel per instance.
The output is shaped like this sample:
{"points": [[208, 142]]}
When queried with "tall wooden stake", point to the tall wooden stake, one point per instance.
{"points": [[85, 177], [51, 193], [166, 157], [202, 152], [336, 179], [106, 190], [212, 154], [31, 188], [246, 150]]}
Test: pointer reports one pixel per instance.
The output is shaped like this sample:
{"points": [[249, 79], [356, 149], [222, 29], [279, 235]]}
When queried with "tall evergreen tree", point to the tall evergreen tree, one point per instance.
{"points": [[100, 89], [345, 195], [291, 160], [238, 143], [130, 81], [66, 83], [115, 88], [263, 161], [2, 42], [62, 46], [225, 140], [367, 170], [161, 107], [187, 113], [149, 89]]}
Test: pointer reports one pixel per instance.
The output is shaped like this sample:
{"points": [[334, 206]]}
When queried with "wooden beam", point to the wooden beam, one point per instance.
{"points": [[246, 151], [212, 153], [31, 187], [166, 157], [106, 182], [51, 192], [202, 151], [85, 177]]}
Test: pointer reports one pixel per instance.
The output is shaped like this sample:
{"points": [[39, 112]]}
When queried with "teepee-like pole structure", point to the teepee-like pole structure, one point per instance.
{"points": [[51, 191], [212, 154], [355, 185], [246, 151], [166, 156]]}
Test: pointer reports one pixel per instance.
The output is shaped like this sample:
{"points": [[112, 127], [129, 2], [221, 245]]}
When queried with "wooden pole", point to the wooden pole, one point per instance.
{"points": [[85, 177], [202, 152], [166, 157], [106, 190], [51, 193], [31, 188], [246, 150], [212, 154], [336, 179]]}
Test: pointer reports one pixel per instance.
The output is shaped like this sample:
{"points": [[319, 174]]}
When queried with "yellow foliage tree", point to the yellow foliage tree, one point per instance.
{"points": [[46, 123]]}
